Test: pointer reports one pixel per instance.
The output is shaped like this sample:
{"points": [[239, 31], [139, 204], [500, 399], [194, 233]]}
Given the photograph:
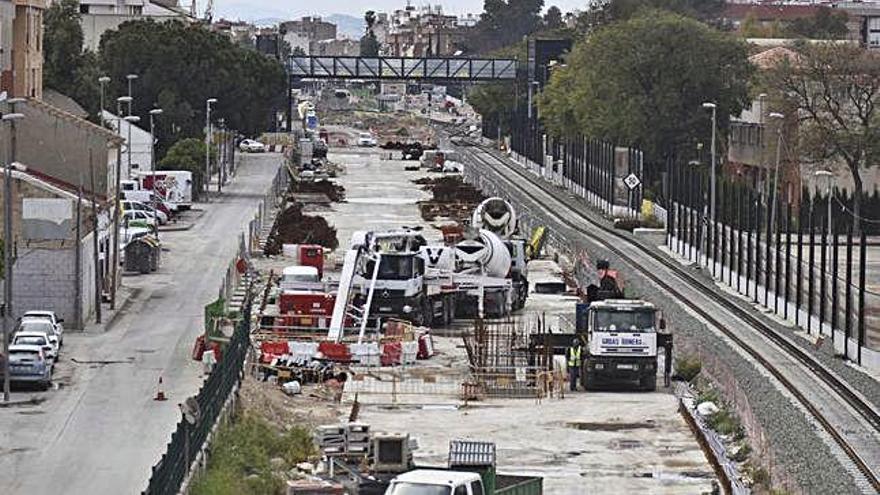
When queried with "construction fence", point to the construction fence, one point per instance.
{"points": [[193, 430]]}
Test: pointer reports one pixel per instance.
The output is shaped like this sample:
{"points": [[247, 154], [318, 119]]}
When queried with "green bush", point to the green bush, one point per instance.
{"points": [[241, 460], [687, 367]]}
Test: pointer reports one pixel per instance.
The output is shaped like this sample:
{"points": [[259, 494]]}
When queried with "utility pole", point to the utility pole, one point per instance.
{"points": [[8, 243], [95, 255], [77, 263], [208, 104], [115, 199]]}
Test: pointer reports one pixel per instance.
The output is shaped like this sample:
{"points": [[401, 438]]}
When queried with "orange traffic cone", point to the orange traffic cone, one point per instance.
{"points": [[160, 393]]}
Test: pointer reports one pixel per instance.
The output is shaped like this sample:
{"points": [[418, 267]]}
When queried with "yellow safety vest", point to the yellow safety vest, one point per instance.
{"points": [[574, 356]]}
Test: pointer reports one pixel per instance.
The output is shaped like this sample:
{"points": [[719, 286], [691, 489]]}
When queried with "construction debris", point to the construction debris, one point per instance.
{"points": [[453, 199], [292, 227], [333, 190]]}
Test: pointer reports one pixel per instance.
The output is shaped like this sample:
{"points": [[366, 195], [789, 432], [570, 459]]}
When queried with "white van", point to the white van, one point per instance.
{"points": [[174, 186]]}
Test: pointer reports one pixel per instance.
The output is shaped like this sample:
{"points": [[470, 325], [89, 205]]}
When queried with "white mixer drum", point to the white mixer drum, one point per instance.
{"points": [[487, 251], [497, 215]]}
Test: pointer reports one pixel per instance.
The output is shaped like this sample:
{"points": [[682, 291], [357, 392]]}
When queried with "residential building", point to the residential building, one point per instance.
{"points": [[268, 41], [420, 32], [55, 264], [99, 16], [240, 32], [21, 47], [336, 48], [138, 150], [59, 154], [313, 28], [298, 41]]}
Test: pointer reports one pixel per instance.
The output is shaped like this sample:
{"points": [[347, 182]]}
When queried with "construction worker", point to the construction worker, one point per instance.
{"points": [[574, 363]]}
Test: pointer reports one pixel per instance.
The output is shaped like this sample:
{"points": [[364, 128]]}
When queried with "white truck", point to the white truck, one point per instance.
{"points": [[622, 341], [429, 284]]}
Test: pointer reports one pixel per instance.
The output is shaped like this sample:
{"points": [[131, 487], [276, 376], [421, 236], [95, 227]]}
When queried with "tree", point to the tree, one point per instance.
{"points": [[553, 18], [642, 81], [62, 45], [369, 43], [504, 22], [825, 24], [604, 12], [187, 154], [835, 90], [190, 64], [67, 69]]}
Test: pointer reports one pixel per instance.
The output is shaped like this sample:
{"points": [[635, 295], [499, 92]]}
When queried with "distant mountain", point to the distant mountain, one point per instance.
{"points": [[268, 21], [347, 25]]}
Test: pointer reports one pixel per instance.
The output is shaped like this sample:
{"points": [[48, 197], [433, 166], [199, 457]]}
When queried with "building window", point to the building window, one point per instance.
{"points": [[83, 8]]}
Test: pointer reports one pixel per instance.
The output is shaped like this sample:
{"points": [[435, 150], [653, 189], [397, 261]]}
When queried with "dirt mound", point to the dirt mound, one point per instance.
{"points": [[331, 189], [292, 227]]}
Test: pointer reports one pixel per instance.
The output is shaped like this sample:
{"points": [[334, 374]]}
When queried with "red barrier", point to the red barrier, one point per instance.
{"points": [[334, 351], [391, 354]]}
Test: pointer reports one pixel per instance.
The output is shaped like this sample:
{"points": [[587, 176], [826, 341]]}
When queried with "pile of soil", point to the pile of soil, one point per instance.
{"points": [[331, 189], [292, 227], [453, 199]]}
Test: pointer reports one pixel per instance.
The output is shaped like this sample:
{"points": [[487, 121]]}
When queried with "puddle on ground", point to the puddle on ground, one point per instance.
{"points": [[625, 444], [383, 201], [679, 476], [591, 426]]}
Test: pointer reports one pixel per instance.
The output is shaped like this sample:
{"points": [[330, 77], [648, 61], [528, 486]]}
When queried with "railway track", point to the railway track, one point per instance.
{"points": [[850, 420]]}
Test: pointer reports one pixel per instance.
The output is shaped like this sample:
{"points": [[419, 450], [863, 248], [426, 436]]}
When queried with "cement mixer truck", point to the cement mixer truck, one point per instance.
{"points": [[430, 284], [499, 217]]}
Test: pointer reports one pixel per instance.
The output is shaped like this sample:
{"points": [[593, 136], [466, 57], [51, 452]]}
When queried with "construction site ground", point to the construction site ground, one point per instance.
{"points": [[588, 442]]}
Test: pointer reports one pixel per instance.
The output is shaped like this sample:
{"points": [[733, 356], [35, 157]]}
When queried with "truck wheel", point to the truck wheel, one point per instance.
{"points": [[427, 313], [648, 383], [588, 381]]}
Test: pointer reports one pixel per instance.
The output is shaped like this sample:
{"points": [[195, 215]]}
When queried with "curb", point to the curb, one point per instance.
{"points": [[32, 401]]}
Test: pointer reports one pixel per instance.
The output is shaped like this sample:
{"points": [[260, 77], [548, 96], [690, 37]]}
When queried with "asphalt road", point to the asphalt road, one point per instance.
{"points": [[102, 431]]}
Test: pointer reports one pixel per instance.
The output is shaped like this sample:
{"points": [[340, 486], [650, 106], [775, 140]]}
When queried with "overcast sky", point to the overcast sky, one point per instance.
{"points": [[288, 9]]}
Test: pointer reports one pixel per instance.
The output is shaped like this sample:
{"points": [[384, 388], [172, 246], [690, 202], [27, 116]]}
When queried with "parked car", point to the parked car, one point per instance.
{"points": [[42, 326], [50, 316], [365, 139], [29, 364], [140, 206], [151, 199], [39, 339], [251, 146], [133, 217]]}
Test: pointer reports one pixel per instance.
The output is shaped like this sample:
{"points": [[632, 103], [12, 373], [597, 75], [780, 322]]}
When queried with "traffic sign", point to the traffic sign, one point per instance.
{"points": [[632, 181]]}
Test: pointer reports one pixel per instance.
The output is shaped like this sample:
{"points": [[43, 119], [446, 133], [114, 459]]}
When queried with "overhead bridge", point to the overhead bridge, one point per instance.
{"points": [[402, 68]]}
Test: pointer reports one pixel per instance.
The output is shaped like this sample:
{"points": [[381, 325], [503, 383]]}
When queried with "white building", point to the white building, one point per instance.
{"points": [[98, 16], [141, 151]]}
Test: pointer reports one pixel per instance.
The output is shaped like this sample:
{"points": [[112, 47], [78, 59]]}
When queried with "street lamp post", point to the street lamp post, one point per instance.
{"points": [[115, 271], [208, 103], [773, 223], [8, 244], [713, 107], [153, 114], [130, 77], [103, 80]]}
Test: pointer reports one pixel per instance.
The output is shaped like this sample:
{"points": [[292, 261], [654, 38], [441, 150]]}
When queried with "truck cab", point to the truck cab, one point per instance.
{"points": [[621, 337], [436, 482]]}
